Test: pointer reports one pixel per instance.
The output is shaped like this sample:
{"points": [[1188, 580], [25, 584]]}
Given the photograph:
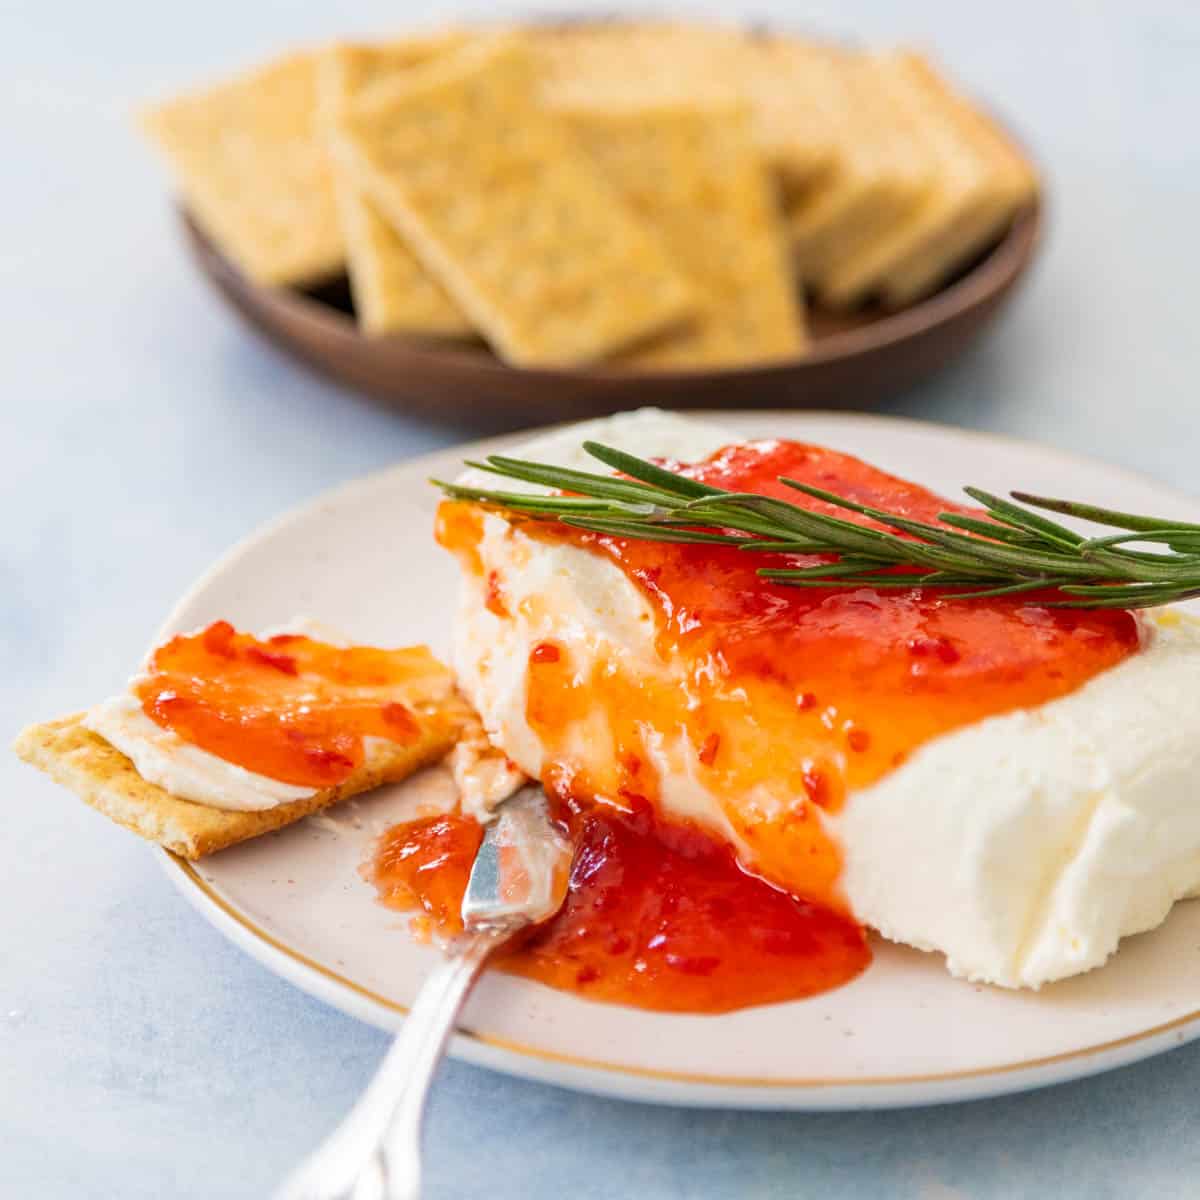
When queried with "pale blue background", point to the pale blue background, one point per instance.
{"points": [[144, 430]]}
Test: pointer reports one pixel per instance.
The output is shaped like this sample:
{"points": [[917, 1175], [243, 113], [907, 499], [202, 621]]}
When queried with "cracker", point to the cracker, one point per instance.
{"points": [[253, 172], [599, 63], [649, 62], [791, 120], [393, 293], [363, 66], [104, 778], [981, 181], [1013, 186], [507, 212], [882, 172], [693, 174]]}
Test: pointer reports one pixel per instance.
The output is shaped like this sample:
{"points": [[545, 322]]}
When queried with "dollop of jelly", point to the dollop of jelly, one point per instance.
{"points": [[658, 915]]}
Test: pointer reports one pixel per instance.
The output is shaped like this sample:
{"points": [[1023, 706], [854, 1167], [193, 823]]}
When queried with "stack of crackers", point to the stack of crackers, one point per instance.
{"points": [[634, 195]]}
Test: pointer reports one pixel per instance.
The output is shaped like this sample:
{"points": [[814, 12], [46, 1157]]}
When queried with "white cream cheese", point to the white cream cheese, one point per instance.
{"points": [[1026, 846], [184, 770], [1022, 847], [484, 777]]}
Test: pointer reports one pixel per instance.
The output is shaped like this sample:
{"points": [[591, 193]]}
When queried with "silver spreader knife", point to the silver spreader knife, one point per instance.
{"points": [[519, 879]]}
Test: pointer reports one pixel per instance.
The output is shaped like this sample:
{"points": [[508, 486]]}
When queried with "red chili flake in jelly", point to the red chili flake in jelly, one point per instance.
{"points": [[545, 652], [494, 598], [816, 785], [708, 752], [277, 662], [938, 647], [326, 759], [858, 740]]}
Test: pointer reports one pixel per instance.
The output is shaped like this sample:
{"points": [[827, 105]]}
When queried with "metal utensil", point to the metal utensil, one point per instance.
{"points": [[519, 878]]}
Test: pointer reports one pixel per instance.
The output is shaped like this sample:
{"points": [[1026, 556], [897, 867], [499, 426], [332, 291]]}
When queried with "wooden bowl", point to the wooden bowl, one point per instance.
{"points": [[855, 362]]}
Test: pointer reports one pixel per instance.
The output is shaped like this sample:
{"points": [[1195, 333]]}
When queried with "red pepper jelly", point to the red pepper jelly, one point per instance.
{"points": [[658, 915], [287, 707], [780, 701]]}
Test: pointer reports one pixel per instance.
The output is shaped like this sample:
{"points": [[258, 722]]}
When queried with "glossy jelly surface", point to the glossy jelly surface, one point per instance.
{"points": [[286, 707]]}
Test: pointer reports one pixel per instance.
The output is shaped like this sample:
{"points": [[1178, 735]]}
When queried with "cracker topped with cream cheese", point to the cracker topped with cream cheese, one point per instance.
{"points": [[225, 737]]}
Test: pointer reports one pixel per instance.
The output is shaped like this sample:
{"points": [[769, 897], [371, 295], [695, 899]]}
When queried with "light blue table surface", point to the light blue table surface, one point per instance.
{"points": [[144, 430]]}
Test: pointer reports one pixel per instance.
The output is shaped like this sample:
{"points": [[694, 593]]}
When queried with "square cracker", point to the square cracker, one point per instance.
{"points": [[980, 182], [650, 61], [393, 293], [254, 173], [883, 168], [694, 175], [101, 776], [1013, 184], [837, 155], [506, 211]]}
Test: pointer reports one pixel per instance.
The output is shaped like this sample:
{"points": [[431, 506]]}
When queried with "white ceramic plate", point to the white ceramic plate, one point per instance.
{"points": [[362, 559]]}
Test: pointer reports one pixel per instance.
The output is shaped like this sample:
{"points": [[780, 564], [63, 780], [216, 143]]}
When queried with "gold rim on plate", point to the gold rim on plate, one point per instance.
{"points": [[212, 896]]}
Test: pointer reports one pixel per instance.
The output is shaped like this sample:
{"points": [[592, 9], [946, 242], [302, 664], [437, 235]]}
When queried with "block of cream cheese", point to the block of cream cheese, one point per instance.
{"points": [[1022, 847]]}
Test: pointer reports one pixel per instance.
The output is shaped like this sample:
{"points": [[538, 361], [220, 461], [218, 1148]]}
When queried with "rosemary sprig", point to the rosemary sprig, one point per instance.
{"points": [[1010, 551]]}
